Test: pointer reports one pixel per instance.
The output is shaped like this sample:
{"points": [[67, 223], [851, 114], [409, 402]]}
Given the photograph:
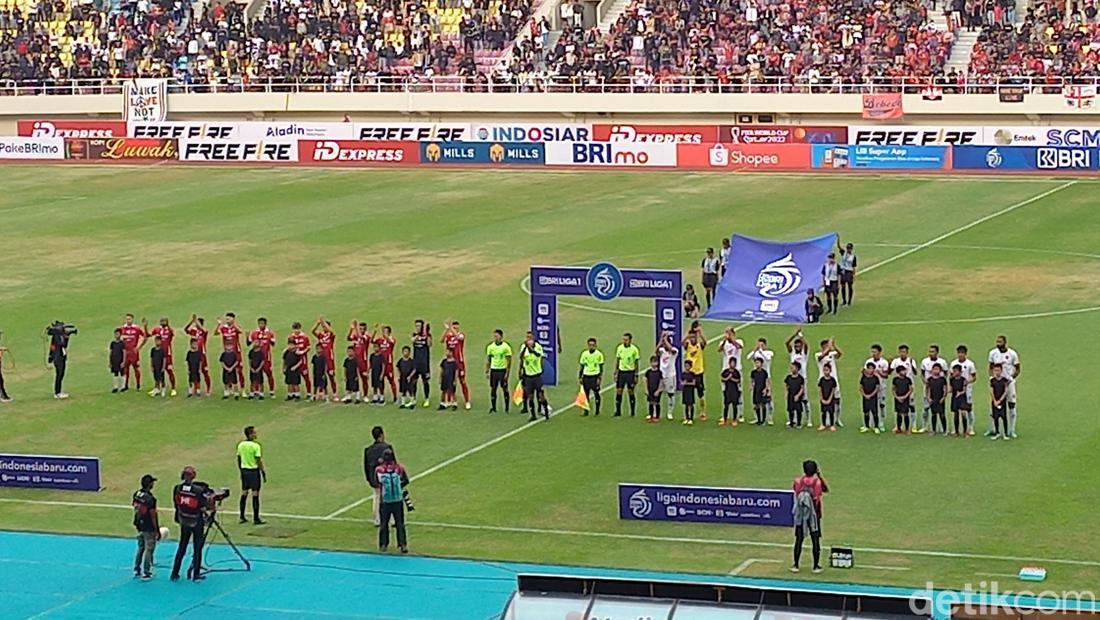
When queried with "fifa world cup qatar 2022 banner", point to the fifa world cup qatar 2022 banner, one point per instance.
{"points": [[653, 502], [768, 280]]}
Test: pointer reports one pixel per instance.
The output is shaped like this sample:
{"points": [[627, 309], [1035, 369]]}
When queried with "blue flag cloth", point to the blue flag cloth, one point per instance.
{"points": [[767, 280]]}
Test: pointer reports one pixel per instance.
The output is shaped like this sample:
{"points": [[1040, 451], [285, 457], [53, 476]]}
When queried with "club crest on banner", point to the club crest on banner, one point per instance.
{"points": [[640, 505], [604, 281], [779, 277]]}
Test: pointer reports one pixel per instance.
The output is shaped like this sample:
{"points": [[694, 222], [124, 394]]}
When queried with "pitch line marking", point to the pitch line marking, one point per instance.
{"points": [[882, 263], [743, 566], [612, 535]]}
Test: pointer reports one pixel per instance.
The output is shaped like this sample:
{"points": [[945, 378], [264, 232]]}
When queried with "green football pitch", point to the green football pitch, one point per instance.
{"points": [[946, 260]]}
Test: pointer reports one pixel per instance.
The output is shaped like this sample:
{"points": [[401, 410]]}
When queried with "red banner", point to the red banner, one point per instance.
{"points": [[72, 129], [744, 157], [882, 106], [692, 134], [782, 134], [358, 153], [121, 149]]}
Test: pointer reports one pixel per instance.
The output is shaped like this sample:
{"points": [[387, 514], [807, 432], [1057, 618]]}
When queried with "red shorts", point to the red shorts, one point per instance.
{"points": [[131, 357], [330, 359], [461, 368], [387, 370]]}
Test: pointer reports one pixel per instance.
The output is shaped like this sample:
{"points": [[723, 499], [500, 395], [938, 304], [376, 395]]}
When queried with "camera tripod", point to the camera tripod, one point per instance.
{"points": [[212, 524]]}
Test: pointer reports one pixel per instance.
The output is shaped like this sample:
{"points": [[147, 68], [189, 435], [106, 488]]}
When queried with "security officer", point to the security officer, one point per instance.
{"points": [[192, 500]]}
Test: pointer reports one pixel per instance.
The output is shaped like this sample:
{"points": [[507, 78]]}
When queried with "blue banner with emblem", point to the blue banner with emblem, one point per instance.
{"points": [[1025, 158], [513, 153], [769, 280], [656, 502], [41, 471]]}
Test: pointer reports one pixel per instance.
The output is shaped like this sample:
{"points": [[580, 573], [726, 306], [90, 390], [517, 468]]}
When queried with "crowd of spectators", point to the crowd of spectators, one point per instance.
{"points": [[720, 44]]}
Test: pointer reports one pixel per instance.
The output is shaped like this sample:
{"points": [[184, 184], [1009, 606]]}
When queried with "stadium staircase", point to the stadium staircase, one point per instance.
{"points": [[963, 46]]}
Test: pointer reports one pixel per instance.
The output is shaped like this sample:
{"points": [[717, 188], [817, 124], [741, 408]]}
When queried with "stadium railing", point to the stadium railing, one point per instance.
{"points": [[451, 84]]}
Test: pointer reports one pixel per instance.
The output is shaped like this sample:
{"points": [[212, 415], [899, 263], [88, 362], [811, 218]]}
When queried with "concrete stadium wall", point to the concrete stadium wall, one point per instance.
{"points": [[687, 108]]}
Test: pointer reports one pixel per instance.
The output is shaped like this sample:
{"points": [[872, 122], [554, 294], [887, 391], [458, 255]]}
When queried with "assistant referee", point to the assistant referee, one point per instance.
{"points": [[251, 463]]}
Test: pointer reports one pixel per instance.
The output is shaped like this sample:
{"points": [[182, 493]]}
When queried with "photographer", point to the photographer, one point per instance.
{"points": [[372, 458], [4, 398], [148, 527], [59, 334], [808, 490], [392, 480], [193, 501]]}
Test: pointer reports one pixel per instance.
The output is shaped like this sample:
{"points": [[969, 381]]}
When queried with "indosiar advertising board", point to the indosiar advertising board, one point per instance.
{"points": [[879, 157]]}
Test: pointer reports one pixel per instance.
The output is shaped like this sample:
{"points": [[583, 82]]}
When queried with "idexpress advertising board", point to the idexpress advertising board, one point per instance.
{"points": [[697, 134], [743, 157], [870, 157], [358, 153], [629, 154], [514, 153], [71, 129], [238, 151], [1025, 158]]}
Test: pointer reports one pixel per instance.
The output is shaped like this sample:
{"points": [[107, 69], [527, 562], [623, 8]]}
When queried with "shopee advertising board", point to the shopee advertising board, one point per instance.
{"points": [[744, 157], [630, 154]]}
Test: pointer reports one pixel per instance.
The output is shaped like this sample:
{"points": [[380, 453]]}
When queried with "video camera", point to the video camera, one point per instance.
{"points": [[60, 328]]}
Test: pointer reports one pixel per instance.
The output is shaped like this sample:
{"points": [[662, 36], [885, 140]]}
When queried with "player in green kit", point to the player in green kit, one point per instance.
{"points": [[591, 374], [498, 365], [627, 355]]}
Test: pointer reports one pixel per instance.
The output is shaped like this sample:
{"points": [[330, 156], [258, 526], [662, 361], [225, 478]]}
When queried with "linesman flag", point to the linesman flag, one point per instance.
{"points": [[517, 394], [582, 400]]}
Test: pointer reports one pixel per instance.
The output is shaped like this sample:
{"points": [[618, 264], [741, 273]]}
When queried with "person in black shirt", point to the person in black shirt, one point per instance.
{"points": [[230, 365], [796, 393], [158, 358], [827, 385], [653, 390], [903, 392], [687, 394], [761, 390], [194, 369], [868, 390], [351, 378], [148, 527], [319, 366], [814, 307], [998, 393], [377, 363], [422, 356], [117, 351], [191, 500], [731, 393], [448, 376], [292, 372], [936, 390], [256, 365], [406, 379], [960, 406]]}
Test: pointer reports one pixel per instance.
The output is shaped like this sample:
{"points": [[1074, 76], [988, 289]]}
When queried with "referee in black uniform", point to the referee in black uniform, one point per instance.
{"points": [[710, 266]]}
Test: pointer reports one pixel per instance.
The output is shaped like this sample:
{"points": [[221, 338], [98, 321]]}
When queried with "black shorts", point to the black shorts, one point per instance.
{"points": [[700, 387], [320, 380], [626, 379], [590, 383], [959, 403], [847, 277], [447, 384], [532, 384], [256, 377], [229, 378], [687, 395], [116, 369], [376, 379], [759, 398], [710, 280], [406, 385], [870, 405], [830, 408], [193, 376], [497, 377], [158, 376], [936, 407], [654, 396], [423, 368], [832, 287], [901, 406], [250, 479], [292, 378], [351, 383]]}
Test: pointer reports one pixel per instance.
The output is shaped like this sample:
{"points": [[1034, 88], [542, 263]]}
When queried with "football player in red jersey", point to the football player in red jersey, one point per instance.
{"points": [[231, 337], [166, 333], [326, 338], [133, 337], [383, 337], [360, 339], [196, 329], [266, 337], [455, 341], [301, 343]]}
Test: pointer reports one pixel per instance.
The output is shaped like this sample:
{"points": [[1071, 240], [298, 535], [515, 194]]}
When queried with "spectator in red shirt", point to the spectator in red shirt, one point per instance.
{"points": [[808, 490]]}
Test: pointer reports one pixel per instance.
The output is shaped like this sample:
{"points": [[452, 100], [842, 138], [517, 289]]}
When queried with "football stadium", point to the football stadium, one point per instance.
{"points": [[548, 309]]}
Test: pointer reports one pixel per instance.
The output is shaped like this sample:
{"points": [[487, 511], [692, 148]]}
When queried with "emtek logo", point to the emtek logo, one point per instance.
{"points": [[640, 504], [779, 277], [604, 281], [1054, 159]]}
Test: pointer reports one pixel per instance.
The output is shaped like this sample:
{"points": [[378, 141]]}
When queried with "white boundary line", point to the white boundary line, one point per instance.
{"points": [[726, 542], [744, 566], [882, 263]]}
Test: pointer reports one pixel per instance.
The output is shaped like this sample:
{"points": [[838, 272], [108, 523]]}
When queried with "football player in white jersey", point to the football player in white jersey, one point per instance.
{"points": [[730, 348], [1005, 357], [910, 364], [882, 371], [799, 352], [667, 354], [827, 356], [762, 353], [970, 373], [926, 365]]}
